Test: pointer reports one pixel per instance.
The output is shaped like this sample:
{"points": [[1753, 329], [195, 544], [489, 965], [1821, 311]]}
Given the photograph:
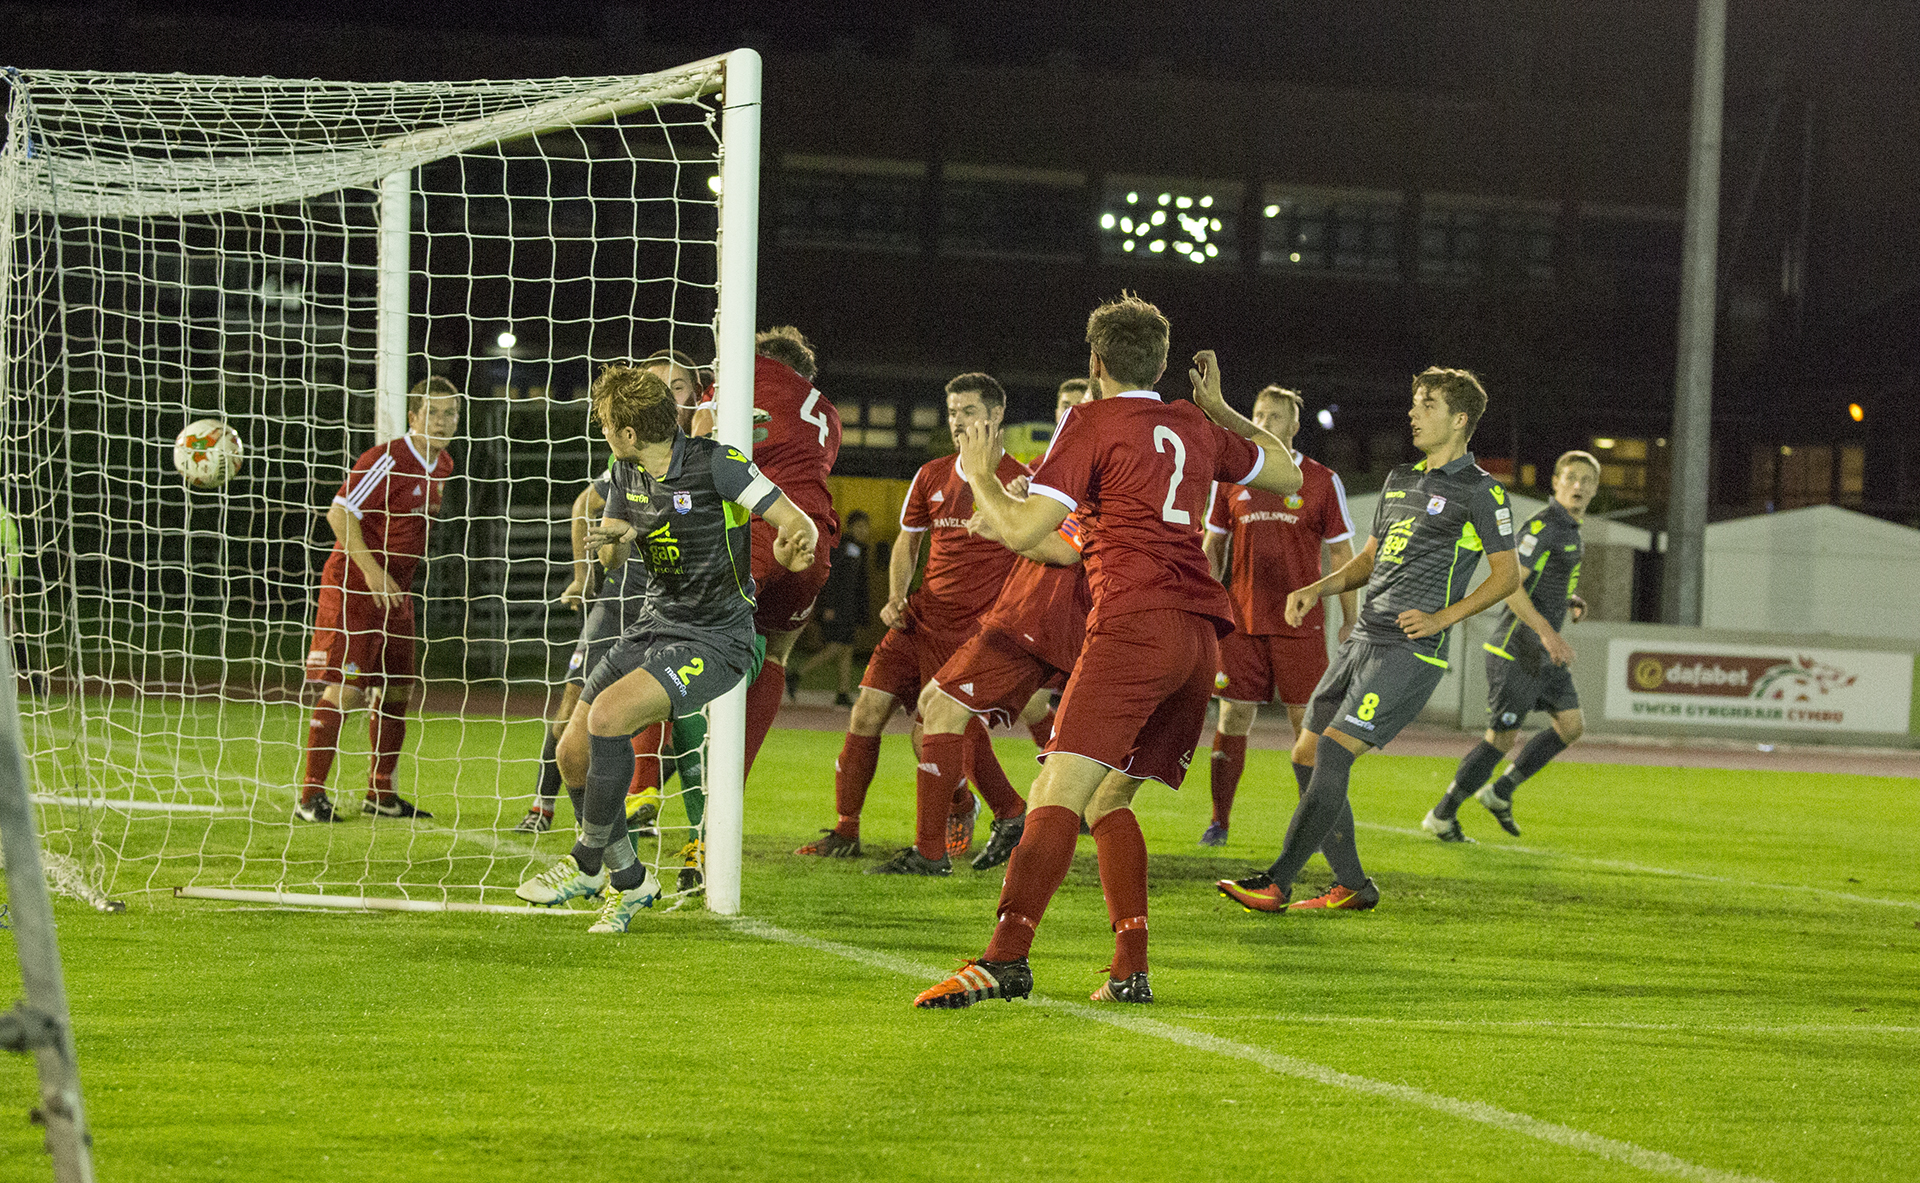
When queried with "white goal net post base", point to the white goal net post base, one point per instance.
{"points": [[287, 256]]}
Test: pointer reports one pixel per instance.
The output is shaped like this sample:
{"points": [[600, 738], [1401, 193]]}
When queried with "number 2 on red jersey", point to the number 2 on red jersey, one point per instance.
{"points": [[1163, 436]]}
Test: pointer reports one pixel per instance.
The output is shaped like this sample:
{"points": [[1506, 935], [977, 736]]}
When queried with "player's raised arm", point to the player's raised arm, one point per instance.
{"points": [[1018, 524], [1350, 575], [1278, 474], [346, 528], [794, 545], [1054, 550]]}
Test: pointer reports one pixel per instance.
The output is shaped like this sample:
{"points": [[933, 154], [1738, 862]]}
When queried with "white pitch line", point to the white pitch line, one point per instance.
{"points": [[1534, 1024], [1653, 1161], [1668, 872], [125, 804]]}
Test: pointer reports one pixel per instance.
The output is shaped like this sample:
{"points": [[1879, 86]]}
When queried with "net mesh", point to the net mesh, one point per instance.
{"points": [[179, 248]]}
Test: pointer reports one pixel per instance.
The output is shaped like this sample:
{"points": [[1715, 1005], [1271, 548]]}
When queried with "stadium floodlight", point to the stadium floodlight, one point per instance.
{"points": [[288, 257]]}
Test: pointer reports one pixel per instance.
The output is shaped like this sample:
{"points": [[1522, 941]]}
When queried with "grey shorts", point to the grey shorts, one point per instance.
{"points": [[608, 616], [1372, 691], [1516, 686], [694, 672]]}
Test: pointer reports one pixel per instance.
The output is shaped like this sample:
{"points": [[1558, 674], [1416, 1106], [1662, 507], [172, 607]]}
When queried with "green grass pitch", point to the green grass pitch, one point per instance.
{"points": [[1675, 974]]}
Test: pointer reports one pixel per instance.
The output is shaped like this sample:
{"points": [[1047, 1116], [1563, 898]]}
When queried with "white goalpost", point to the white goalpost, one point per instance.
{"points": [[290, 257]]}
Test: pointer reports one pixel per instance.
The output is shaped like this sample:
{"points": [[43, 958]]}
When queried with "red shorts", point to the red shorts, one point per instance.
{"points": [[1253, 668], [783, 599], [905, 661], [994, 675], [1138, 695], [358, 643]]}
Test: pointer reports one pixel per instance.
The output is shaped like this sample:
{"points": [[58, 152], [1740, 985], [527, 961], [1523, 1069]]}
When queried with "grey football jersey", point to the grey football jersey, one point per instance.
{"points": [[693, 536], [1549, 550], [1432, 528]]}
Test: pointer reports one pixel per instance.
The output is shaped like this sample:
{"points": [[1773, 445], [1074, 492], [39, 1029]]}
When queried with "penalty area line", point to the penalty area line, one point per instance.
{"points": [[1652, 1161]]}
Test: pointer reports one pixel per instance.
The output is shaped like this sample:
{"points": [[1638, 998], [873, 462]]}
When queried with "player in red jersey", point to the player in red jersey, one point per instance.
{"points": [[1025, 648], [796, 438], [1025, 644], [964, 574], [1262, 547], [1134, 706], [363, 629]]}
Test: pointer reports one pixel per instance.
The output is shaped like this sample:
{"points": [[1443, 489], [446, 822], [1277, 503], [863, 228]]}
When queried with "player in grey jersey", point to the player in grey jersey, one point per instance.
{"points": [[1435, 520], [1527, 660], [685, 502]]}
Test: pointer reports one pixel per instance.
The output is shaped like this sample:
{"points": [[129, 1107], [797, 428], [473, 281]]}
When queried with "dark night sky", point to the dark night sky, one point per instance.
{"points": [[1446, 44]]}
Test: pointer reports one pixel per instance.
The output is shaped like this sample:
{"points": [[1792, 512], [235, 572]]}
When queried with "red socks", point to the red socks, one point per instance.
{"points": [[1229, 761], [852, 776], [1042, 729], [983, 769], [763, 703], [386, 731], [646, 757], [323, 740], [1123, 879], [935, 784], [1038, 867]]}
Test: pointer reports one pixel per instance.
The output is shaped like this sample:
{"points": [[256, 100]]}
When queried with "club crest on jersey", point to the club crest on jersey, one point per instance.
{"points": [[1295, 501], [683, 502], [1436, 503]]}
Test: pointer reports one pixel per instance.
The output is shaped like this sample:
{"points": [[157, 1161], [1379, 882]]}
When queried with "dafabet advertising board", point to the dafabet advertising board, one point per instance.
{"points": [[1763, 686]]}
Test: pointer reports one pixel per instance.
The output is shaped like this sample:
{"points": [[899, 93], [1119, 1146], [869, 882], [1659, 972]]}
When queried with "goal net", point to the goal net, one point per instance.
{"points": [[289, 257]]}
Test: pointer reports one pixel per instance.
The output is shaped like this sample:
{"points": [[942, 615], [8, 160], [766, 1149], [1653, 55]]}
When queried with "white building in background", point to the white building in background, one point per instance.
{"points": [[1821, 569]]}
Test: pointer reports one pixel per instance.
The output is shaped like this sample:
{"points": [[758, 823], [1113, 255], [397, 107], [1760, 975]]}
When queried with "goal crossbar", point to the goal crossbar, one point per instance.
{"points": [[143, 184]]}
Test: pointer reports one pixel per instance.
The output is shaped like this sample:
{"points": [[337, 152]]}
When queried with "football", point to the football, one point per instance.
{"points": [[207, 453]]}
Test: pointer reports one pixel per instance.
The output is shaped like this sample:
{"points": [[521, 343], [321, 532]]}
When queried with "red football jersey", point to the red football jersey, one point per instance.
{"points": [[392, 492], [1046, 606], [1275, 547], [964, 571], [796, 439], [1145, 469]]}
